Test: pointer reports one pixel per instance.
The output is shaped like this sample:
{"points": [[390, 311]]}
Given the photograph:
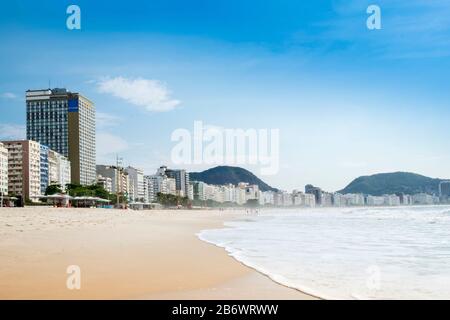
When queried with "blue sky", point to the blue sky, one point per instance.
{"points": [[348, 101]]}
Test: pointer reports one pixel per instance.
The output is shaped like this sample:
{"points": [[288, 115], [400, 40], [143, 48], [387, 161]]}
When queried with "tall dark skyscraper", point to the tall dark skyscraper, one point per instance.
{"points": [[65, 122]]}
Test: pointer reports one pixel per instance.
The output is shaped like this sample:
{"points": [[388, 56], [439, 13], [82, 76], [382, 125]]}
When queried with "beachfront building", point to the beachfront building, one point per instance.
{"points": [[105, 182], [119, 178], [24, 168], [317, 192], [327, 199], [268, 198], [424, 199], [3, 170], [136, 179], [391, 200], [199, 190], [190, 192], [375, 200], [65, 122], [354, 199], [444, 191], [181, 177], [59, 170], [44, 168]]}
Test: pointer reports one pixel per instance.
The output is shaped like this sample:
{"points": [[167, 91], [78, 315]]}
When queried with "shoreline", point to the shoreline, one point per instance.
{"points": [[125, 254]]}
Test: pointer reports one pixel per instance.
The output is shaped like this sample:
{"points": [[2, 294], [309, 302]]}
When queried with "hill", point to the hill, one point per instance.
{"points": [[391, 183], [224, 175]]}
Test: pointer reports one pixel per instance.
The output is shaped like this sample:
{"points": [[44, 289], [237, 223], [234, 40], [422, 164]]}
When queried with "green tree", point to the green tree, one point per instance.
{"points": [[53, 189]]}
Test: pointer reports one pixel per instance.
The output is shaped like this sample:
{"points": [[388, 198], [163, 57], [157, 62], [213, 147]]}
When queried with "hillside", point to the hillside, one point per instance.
{"points": [[391, 183], [224, 175]]}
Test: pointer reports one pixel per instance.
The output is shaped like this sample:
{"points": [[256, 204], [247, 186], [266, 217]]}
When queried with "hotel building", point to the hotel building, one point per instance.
{"points": [[65, 122], [24, 168], [3, 170]]}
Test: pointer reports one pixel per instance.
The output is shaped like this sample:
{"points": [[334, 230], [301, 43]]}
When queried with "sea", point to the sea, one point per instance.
{"points": [[346, 253]]}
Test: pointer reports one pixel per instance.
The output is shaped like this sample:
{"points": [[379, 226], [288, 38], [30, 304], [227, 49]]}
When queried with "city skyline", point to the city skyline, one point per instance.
{"points": [[356, 103]]}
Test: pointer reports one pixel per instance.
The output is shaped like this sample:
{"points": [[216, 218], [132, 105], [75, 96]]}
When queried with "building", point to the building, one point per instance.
{"points": [[24, 168], [181, 178], [317, 192], [327, 199], [354, 199], [105, 182], [119, 178], [199, 190], [391, 200], [423, 198], [65, 122], [136, 178], [44, 168], [58, 169], [375, 200], [3, 170], [444, 191]]}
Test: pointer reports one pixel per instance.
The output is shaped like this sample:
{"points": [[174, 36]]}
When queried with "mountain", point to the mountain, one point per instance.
{"points": [[390, 183], [224, 175]]}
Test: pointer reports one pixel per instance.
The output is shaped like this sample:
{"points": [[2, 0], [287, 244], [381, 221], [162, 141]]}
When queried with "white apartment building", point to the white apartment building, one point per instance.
{"points": [[391, 200], [375, 200], [24, 172], [3, 169], [119, 178], [105, 182], [310, 200], [353, 199], [422, 198], [59, 170], [136, 180]]}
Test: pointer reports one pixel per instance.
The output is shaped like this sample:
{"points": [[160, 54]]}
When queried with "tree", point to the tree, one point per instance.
{"points": [[53, 189]]}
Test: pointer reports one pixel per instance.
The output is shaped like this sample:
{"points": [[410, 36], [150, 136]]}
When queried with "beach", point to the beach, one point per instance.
{"points": [[124, 254]]}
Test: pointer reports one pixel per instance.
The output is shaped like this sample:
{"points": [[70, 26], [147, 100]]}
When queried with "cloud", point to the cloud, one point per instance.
{"points": [[153, 95], [104, 120], [108, 145], [12, 131], [8, 95]]}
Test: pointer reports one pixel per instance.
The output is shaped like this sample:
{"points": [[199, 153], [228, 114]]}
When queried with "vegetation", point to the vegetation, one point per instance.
{"points": [[53, 189], [392, 183], [170, 200], [225, 175]]}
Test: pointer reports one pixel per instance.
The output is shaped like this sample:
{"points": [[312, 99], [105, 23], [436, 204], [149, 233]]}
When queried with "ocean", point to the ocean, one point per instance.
{"points": [[346, 253]]}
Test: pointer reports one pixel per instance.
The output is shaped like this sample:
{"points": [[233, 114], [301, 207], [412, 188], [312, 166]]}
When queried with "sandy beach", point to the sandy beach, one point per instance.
{"points": [[123, 254]]}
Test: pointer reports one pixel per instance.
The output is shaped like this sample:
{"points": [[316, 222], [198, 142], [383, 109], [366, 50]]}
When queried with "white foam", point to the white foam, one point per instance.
{"points": [[348, 253]]}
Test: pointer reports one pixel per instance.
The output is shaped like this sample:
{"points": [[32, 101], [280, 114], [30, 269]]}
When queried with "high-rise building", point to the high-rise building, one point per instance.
{"points": [[44, 168], [24, 168], [119, 178], [65, 122], [3, 170], [444, 190], [317, 192], [136, 177], [181, 178]]}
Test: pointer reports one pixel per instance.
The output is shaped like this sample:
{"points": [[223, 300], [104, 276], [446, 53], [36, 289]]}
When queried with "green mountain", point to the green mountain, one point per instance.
{"points": [[390, 183], [224, 175]]}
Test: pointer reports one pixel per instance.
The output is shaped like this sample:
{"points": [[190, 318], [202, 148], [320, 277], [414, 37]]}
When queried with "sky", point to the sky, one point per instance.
{"points": [[347, 101]]}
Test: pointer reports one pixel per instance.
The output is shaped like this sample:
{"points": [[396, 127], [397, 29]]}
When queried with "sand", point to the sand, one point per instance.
{"points": [[123, 254]]}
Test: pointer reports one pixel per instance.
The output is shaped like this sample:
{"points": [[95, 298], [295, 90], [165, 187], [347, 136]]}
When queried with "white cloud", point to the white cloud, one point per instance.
{"points": [[153, 95], [108, 145], [12, 131], [104, 120], [8, 95]]}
